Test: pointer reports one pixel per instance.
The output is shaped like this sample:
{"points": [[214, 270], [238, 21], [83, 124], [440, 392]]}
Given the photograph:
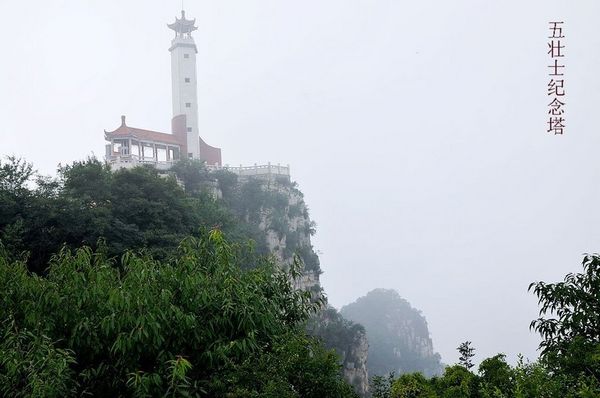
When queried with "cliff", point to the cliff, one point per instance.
{"points": [[398, 336], [349, 340], [275, 207]]}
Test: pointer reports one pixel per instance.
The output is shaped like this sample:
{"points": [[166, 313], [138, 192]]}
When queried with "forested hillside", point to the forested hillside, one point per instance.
{"points": [[150, 214], [133, 283], [195, 283], [131, 210]]}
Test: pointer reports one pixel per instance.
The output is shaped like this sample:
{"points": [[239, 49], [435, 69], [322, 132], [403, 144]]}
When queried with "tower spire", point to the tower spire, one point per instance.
{"points": [[183, 26]]}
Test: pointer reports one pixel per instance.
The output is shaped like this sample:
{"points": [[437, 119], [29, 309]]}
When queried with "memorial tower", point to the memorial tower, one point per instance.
{"points": [[183, 79]]}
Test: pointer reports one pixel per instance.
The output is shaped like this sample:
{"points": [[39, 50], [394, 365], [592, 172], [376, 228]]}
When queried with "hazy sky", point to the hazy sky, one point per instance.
{"points": [[416, 130]]}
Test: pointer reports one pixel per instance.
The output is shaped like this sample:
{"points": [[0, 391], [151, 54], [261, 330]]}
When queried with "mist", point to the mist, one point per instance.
{"points": [[416, 130]]}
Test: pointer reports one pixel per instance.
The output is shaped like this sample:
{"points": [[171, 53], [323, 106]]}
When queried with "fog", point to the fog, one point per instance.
{"points": [[416, 130]]}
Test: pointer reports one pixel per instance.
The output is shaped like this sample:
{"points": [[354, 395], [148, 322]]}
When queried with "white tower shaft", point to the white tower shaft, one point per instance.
{"points": [[183, 79]]}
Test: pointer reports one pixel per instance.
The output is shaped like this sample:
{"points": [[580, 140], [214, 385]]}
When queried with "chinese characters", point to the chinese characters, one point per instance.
{"points": [[556, 85]]}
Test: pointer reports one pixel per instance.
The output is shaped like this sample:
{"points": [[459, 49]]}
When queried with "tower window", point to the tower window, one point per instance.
{"points": [[187, 79], [186, 55], [189, 129], [188, 104]]}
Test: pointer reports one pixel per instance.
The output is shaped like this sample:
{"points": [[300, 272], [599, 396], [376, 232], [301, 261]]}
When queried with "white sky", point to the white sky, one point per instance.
{"points": [[416, 130]]}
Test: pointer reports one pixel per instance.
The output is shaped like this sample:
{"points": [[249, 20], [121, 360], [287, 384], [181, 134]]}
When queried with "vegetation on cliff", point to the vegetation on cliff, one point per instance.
{"points": [[111, 284], [349, 341], [122, 283], [136, 209]]}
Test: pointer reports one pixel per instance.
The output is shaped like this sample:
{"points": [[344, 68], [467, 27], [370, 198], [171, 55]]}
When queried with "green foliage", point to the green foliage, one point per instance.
{"points": [[412, 385], [139, 209], [170, 320], [574, 302], [196, 325], [15, 173], [129, 209], [527, 380], [265, 204], [192, 173], [90, 181], [381, 386], [336, 332], [15, 199], [496, 377], [306, 370], [466, 354], [569, 366], [228, 182], [457, 382], [533, 380], [31, 365], [569, 324], [310, 258], [340, 335]]}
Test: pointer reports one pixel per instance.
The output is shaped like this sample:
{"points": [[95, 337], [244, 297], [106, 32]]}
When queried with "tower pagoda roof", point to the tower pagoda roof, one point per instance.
{"points": [[183, 25]]}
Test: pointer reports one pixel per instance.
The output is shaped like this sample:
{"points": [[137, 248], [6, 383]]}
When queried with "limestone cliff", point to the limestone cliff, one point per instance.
{"points": [[288, 228], [398, 334], [349, 340], [276, 207]]}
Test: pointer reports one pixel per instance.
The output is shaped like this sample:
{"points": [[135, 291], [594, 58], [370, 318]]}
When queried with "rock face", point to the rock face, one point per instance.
{"points": [[277, 217], [355, 363], [278, 209], [349, 340], [287, 226], [398, 336]]}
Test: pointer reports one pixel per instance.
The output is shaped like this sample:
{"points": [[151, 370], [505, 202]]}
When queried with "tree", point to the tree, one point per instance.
{"points": [[381, 386], [533, 380], [573, 306], [496, 377], [569, 323], [15, 173], [412, 385], [196, 324], [457, 382], [130, 209], [466, 354], [15, 199], [193, 173]]}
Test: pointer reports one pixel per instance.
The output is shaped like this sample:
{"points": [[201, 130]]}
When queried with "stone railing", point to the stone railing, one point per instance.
{"points": [[256, 170], [118, 161]]}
